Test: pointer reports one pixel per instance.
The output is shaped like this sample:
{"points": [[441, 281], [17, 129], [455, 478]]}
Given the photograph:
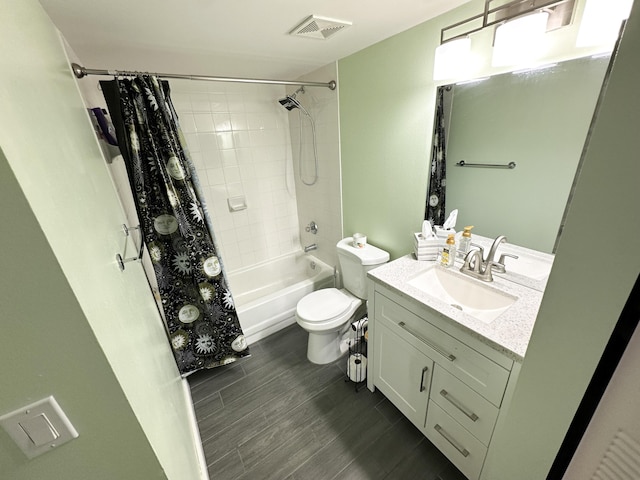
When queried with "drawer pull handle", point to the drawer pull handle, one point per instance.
{"points": [[422, 387], [463, 451], [472, 416], [442, 352]]}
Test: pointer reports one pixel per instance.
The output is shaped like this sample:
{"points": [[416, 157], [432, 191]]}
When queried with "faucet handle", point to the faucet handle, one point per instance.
{"points": [[499, 266], [479, 247]]}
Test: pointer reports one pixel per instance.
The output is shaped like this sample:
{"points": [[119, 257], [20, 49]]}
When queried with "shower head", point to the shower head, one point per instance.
{"points": [[289, 102]]}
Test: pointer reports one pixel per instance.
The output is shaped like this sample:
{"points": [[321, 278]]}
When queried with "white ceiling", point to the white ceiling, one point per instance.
{"points": [[243, 38]]}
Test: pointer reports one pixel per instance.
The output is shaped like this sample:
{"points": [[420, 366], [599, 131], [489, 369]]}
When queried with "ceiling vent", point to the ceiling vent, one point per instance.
{"points": [[319, 27]]}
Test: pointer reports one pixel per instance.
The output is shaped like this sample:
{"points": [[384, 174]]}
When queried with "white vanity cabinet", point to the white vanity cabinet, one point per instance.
{"points": [[447, 382]]}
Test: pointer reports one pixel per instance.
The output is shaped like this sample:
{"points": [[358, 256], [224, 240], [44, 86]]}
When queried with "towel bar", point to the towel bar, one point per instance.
{"points": [[462, 163], [121, 261]]}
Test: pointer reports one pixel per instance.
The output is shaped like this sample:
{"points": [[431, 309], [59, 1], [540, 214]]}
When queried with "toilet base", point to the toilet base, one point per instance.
{"points": [[323, 348]]}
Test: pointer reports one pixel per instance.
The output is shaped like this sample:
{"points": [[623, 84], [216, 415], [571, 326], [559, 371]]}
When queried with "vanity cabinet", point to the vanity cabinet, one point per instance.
{"points": [[451, 385]]}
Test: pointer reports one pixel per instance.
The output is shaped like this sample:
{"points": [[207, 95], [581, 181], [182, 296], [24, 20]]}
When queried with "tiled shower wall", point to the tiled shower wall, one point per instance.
{"points": [[238, 137], [321, 202]]}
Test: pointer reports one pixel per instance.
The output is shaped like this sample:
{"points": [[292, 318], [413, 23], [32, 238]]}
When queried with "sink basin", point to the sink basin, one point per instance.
{"points": [[464, 293]]}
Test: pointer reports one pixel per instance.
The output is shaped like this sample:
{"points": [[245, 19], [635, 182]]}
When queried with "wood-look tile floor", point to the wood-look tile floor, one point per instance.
{"points": [[275, 415]]}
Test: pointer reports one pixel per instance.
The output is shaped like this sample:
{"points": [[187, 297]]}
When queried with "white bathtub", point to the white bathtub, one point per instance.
{"points": [[266, 294]]}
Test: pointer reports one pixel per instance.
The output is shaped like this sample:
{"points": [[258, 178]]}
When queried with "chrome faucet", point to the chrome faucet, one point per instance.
{"points": [[308, 248], [477, 266]]}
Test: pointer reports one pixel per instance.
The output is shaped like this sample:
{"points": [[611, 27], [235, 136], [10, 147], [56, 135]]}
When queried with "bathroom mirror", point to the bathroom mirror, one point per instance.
{"points": [[537, 119]]}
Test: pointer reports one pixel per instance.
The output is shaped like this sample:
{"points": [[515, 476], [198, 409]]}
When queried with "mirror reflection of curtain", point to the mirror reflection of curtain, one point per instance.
{"points": [[435, 208], [200, 315]]}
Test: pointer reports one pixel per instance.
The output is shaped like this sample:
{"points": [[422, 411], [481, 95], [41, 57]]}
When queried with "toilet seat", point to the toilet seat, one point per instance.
{"points": [[326, 308]]}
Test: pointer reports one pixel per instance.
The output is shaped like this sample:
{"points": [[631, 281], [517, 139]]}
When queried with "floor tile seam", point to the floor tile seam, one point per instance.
{"points": [[400, 417], [391, 467], [223, 430], [409, 453], [364, 451], [266, 427], [278, 417], [213, 392], [273, 451], [336, 438], [209, 414], [236, 402], [210, 464], [226, 429], [350, 423], [317, 440], [252, 391]]}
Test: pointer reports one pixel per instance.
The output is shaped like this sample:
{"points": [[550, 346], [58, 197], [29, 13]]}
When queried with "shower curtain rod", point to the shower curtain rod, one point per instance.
{"points": [[81, 72]]}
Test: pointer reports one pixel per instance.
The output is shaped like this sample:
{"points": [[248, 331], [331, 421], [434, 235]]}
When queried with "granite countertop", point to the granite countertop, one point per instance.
{"points": [[509, 333]]}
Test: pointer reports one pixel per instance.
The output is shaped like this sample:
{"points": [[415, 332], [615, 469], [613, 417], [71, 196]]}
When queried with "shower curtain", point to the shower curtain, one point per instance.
{"points": [[435, 208], [199, 312]]}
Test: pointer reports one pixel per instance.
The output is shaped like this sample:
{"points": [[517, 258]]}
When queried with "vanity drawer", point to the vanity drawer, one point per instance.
{"points": [[464, 405], [465, 451], [474, 369]]}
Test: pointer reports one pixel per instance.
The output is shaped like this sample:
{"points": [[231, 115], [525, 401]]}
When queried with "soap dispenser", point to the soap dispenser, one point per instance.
{"points": [[465, 241], [448, 256]]}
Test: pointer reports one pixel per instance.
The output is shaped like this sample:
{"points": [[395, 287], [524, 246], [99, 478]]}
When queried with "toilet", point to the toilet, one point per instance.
{"points": [[327, 313]]}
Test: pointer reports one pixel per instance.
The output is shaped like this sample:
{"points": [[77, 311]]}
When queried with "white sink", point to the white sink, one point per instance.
{"points": [[464, 293]]}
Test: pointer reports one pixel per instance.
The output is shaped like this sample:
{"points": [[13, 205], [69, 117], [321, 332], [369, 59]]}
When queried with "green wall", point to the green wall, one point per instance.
{"points": [[387, 96], [74, 325], [49, 349]]}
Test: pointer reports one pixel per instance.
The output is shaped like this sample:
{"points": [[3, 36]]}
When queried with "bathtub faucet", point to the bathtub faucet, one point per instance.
{"points": [[308, 248]]}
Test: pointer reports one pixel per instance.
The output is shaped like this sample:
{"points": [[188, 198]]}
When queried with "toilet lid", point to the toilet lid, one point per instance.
{"points": [[323, 305]]}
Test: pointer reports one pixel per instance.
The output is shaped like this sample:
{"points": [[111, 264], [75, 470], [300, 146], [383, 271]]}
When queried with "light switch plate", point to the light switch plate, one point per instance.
{"points": [[39, 427]]}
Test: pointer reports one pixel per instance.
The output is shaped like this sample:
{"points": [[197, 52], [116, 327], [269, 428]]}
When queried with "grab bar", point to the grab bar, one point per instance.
{"points": [[121, 261], [462, 163]]}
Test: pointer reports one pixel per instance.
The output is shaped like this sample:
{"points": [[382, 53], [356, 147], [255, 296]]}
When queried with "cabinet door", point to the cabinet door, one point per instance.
{"points": [[403, 374]]}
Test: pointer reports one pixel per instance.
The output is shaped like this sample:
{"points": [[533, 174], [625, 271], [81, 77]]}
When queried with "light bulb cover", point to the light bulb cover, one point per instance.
{"points": [[520, 41], [600, 23], [452, 59]]}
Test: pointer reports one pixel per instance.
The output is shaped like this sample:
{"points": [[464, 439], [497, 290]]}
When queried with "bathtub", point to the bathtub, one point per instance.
{"points": [[266, 295]]}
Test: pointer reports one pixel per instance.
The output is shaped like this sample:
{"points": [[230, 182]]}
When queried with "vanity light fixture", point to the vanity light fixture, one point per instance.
{"points": [[601, 21], [452, 59], [520, 41], [558, 13]]}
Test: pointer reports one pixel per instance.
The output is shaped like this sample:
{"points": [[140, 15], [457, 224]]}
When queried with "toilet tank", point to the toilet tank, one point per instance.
{"points": [[356, 262]]}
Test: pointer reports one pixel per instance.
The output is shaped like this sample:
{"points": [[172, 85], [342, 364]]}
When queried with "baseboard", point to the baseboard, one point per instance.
{"points": [[197, 441]]}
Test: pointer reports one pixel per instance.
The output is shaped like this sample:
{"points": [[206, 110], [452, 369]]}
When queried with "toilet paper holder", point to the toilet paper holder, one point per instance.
{"points": [[357, 358]]}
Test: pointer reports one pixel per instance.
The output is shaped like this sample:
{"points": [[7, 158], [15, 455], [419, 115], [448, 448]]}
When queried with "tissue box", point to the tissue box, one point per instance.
{"points": [[420, 242], [444, 233], [426, 248]]}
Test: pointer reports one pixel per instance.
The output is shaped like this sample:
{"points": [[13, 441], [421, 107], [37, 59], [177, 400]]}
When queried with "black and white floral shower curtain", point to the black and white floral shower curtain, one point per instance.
{"points": [[200, 315], [434, 211]]}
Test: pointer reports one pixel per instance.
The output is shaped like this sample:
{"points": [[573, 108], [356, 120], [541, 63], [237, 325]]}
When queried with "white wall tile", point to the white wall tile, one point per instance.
{"points": [[240, 143]]}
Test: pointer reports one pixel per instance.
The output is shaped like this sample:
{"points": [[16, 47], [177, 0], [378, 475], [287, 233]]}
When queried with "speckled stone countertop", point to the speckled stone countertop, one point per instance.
{"points": [[509, 333]]}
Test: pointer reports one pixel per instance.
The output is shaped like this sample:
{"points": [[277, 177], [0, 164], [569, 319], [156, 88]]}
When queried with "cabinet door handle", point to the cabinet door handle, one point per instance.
{"points": [[422, 387], [472, 416], [463, 451], [442, 352]]}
